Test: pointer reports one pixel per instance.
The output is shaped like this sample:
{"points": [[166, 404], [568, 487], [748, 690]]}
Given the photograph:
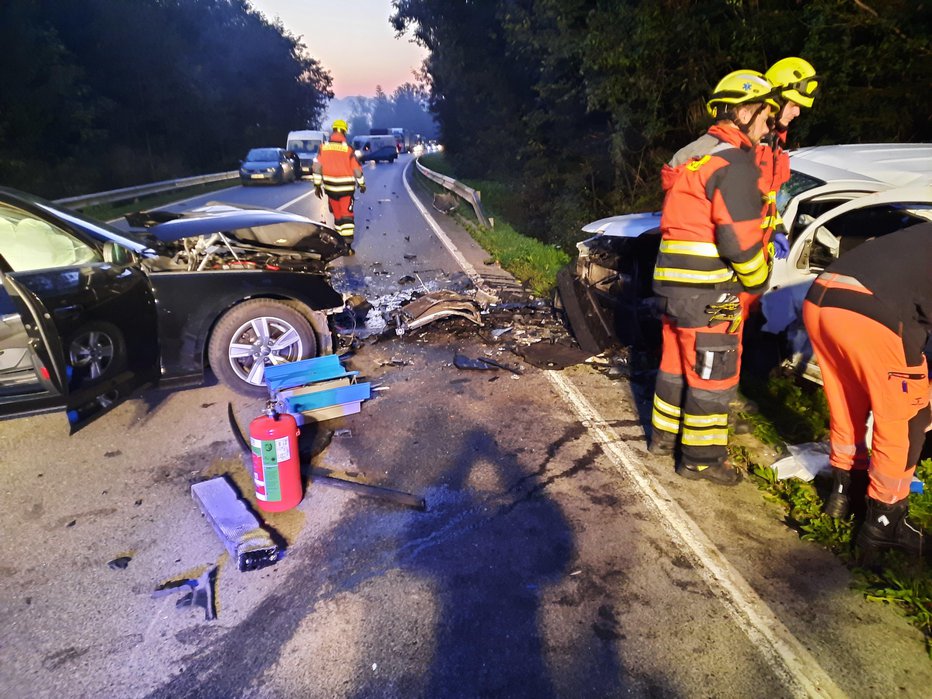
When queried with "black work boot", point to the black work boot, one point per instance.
{"points": [[722, 474], [887, 526], [662, 443], [849, 488]]}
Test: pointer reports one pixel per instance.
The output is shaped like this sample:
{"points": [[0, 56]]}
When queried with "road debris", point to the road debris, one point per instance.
{"points": [[200, 592], [249, 545], [119, 563], [461, 361], [805, 462], [434, 305]]}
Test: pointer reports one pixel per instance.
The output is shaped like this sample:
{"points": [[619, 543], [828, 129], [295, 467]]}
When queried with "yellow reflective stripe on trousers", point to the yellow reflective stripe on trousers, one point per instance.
{"points": [[715, 420], [684, 247], [668, 408], [662, 422], [704, 438], [692, 276]]}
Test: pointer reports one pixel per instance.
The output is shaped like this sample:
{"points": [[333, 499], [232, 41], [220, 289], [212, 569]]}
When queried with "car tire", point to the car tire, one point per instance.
{"points": [[236, 343], [96, 352]]}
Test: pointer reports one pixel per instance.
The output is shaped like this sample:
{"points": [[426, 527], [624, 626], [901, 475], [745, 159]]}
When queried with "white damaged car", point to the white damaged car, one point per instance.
{"points": [[836, 198]]}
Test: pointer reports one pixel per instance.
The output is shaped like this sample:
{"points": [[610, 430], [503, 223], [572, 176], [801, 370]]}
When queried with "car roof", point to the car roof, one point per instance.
{"points": [[893, 164]]}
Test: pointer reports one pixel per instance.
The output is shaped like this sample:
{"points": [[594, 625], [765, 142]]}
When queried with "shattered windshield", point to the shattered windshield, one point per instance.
{"points": [[797, 184]]}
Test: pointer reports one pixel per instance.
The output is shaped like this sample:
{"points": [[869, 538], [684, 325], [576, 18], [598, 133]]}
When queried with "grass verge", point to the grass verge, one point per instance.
{"points": [[532, 262], [791, 413]]}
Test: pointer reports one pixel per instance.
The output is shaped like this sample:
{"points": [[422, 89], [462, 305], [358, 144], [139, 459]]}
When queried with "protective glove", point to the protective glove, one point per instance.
{"points": [[318, 191], [781, 246], [362, 189]]}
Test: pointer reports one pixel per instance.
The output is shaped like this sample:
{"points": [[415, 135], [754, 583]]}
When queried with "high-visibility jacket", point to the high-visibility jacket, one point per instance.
{"points": [[774, 164], [336, 168], [710, 225]]}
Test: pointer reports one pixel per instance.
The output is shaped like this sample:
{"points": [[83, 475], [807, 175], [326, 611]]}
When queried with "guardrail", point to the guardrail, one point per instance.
{"points": [[125, 193], [470, 195]]}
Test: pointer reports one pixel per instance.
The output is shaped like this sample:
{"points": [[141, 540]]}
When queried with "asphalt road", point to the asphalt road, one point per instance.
{"points": [[555, 558]]}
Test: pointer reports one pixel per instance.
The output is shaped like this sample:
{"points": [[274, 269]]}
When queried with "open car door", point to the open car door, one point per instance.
{"points": [[61, 348]]}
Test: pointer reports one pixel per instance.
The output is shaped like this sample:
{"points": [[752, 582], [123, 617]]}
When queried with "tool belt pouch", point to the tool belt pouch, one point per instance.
{"points": [[716, 356], [905, 393]]}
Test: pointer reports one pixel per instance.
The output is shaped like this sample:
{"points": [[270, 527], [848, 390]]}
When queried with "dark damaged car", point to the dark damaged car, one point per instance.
{"points": [[89, 312], [837, 197]]}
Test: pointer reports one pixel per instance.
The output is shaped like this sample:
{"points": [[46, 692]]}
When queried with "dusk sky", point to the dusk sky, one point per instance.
{"points": [[358, 46]]}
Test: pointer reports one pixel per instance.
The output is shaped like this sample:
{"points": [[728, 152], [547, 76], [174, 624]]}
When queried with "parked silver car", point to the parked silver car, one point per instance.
{"points": [[272, 165]]}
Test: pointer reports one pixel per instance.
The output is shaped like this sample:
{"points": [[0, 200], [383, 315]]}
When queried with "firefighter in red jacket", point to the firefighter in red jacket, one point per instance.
{"points": [[337, 172], [869, 316], [711, 249], [797, 82]]}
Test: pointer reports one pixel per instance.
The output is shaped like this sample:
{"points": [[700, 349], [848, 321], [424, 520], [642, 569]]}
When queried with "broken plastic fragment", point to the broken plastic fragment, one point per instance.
{"points": [[201, 592], [461, 361], [805, 461], [119, 563]]}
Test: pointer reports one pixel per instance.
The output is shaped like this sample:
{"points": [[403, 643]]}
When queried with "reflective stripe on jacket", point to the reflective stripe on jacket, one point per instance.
{"points": [[711, 218], [336, 168]]}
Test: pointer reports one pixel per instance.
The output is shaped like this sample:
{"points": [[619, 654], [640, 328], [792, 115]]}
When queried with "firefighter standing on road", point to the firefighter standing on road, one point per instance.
{"points": [[337, 172], [711, 249], [869, 316]]}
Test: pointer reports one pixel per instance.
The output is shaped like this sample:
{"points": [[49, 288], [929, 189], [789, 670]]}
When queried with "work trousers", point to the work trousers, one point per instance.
{"points": [[867, 367], [698, 378], [343, 218]]}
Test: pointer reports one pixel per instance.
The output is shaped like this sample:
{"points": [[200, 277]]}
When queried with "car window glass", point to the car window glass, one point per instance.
{"points": [[263, 154], [28, 243], [796, 185], [852, 228]]}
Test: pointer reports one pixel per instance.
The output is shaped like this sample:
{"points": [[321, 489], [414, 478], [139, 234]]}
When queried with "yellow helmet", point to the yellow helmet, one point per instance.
{"points": [[795, 78], [740, 87], [340, 125]]}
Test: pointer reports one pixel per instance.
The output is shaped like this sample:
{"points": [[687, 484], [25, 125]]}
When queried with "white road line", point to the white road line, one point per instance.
{"points": [[799, 670], [438, 231], [787, 657], [295, 200]]}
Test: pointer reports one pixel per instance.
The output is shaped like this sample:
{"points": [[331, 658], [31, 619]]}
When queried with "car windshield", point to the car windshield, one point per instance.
{"points": [[797, 184], [261, 155], [304, 146]]}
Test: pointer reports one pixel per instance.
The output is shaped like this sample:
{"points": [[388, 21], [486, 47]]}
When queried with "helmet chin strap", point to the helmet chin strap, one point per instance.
{"points": [[746, 126]]}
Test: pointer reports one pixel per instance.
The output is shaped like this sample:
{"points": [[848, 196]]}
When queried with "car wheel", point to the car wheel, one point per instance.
{"points": [[253, 335], [95, 353]]}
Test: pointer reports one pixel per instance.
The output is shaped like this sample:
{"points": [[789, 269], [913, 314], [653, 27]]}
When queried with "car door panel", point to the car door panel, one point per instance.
{"points": [[91, 334]]}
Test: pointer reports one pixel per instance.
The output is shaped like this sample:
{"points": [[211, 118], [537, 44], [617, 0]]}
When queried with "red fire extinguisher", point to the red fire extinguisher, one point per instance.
{"points": [[275, 466]]}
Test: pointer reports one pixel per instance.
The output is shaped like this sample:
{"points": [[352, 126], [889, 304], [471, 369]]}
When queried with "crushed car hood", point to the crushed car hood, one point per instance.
{"points": [[627, 226], [261, 227]]}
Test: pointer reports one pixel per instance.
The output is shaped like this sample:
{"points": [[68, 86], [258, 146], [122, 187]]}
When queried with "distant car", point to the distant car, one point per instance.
{"points": [[377, 148], [272, 165], [836, 198], [89, 312]]}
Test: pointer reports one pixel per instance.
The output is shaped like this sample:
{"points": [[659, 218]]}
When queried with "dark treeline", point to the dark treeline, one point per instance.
{"points": [[577, 103], [96, 94]]}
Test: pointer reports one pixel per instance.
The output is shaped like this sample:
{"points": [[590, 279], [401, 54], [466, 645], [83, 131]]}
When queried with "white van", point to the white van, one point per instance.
{"points": [[305, 145]]}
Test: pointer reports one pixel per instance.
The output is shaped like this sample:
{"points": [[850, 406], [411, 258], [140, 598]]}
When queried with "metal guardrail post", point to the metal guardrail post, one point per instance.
{"points": [[113, 195], [472, 196]]}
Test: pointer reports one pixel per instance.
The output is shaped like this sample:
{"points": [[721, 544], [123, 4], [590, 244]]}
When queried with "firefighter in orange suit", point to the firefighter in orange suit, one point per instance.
{"points": [[869, 316], [711, 249], [796, 82], [337, 172]]}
